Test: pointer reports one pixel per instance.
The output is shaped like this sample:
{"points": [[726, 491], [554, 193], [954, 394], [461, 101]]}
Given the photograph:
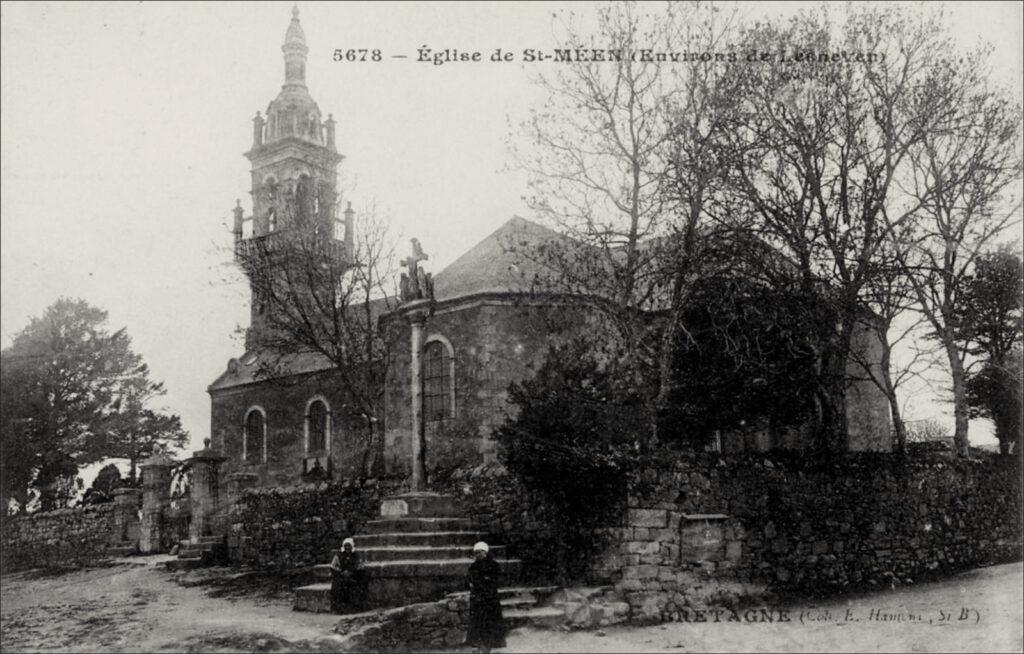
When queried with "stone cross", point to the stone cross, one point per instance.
{"points": [[417, 295], [416, 285]]}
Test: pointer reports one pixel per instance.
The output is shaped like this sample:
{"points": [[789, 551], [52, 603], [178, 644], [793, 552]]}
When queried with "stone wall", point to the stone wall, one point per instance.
{"points": [[429, 626], [61, 538], [704, 531], [510, 513], [284, 528]]}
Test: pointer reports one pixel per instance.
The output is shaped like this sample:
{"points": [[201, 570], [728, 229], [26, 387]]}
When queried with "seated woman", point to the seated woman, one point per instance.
{"points": [[347, 591]]}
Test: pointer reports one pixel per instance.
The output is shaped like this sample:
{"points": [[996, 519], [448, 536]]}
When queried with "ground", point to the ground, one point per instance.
{"points": [[134, 606]]}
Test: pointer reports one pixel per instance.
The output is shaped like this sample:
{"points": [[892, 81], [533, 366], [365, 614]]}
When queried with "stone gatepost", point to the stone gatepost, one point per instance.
{"points": [[126, 516], [156, 493], [205, 492]]}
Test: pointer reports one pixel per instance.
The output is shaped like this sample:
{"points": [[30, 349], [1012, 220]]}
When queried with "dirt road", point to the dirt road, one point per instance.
{"points": [[908, 619], [136, 607]]}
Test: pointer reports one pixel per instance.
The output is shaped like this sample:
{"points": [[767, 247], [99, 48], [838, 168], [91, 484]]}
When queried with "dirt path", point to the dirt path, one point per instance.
{"points": [[137, 607], [992, 597]]}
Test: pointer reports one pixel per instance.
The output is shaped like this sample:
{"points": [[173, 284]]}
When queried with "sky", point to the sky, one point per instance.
{"points": [[123, 126]]}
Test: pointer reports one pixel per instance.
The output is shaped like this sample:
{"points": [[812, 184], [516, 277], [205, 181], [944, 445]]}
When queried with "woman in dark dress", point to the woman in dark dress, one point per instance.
{"points": [[486, 625], [346, 579]]}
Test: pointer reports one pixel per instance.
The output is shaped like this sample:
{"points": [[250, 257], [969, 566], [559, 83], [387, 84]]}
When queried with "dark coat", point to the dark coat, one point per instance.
{"points": [[486, 625], [347, 590]]}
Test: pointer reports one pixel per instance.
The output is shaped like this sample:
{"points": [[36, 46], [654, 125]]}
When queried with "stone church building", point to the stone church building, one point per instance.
{"points": [[481, 335]]}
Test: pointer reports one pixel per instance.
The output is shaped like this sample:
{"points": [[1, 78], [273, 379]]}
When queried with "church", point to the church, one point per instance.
{"points": [[481, 334]]}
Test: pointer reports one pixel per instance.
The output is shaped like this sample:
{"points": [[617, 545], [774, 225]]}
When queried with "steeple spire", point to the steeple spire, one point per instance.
{"points": [[295, 50]]}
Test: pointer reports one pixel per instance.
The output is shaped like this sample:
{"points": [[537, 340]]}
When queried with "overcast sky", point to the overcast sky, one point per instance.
{"points": [[123, 128]]}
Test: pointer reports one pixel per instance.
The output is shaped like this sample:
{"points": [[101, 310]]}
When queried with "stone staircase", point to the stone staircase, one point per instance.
{"points": [[209, 550], [122, 549], [525, 606], [418, 551]]}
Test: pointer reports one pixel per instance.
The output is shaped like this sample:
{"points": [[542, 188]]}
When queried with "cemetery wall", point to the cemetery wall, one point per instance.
{"points": [[282, 528], [62, 538], [509, 512], [707, 531]]}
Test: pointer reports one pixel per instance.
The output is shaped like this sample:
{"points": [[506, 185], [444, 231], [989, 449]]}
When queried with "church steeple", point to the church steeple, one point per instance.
{"points": [[295, 50], [294, 179]]}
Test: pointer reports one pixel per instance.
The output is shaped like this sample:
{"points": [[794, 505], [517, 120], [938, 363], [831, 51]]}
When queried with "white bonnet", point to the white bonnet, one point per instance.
{"points": [[348, 541], [481, 546]]}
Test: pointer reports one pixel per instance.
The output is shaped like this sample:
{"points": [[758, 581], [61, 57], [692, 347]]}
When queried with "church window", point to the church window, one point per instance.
{"points": [[438, 380], [254, 436], [318, 426]]}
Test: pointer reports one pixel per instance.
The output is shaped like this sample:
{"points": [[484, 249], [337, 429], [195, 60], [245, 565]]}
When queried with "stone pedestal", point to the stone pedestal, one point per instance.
{"points": [[418, 505], [156, 493], [126, 517], [205, 492]]}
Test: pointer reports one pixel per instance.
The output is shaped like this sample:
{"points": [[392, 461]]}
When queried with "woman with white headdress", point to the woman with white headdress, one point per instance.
{"points": [[346, 578], [486, 625]]}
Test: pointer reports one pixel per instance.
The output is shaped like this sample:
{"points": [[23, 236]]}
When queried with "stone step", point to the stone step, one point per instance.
{"points": [[394, 553], [424, 504], [121, 550], [543, 616], [184, 564], [314, 598], [391, 525], [510, 603], [536, 593], [418, 538], [382, 555], [434, 568], [199, 547], [203, 540]]}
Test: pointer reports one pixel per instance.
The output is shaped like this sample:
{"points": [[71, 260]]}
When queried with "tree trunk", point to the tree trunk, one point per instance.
{"points": [[833, 432], [956, 368], [889, 388]]}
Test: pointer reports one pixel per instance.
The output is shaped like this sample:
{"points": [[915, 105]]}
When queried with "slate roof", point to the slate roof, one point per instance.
{"points": [[495, 265], [490, 266]]}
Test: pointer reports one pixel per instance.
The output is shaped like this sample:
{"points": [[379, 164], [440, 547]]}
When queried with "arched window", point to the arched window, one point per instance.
{"points": [[254, 436], [318, 427], [438, 380]]}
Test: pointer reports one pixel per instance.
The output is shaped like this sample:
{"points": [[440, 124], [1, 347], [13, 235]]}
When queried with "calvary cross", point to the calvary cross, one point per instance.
{"points": [[413, 260]]}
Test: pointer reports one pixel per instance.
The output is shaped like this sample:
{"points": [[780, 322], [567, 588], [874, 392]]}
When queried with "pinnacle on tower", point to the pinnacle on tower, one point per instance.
{"points": [[295, 50]]}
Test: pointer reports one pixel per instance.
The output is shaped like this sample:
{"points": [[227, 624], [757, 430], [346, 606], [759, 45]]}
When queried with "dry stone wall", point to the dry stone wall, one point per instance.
{"points": [[282, 528], [706, 531], [63, 538]]}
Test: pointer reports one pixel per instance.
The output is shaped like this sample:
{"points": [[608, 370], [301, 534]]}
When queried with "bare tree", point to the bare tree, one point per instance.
{"points": [[819, 147], [314, 298], [961, 174], [890, 297], [601, 152]]}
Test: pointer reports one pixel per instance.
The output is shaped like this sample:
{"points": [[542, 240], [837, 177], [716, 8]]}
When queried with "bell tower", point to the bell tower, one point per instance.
{"points": [[294, 175]]}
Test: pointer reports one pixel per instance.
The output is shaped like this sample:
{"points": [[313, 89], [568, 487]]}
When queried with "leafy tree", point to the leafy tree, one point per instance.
{"points": [[570, 440], [102, 489], [66, 378], [748, 356], [991, 324], [995, 392]]}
